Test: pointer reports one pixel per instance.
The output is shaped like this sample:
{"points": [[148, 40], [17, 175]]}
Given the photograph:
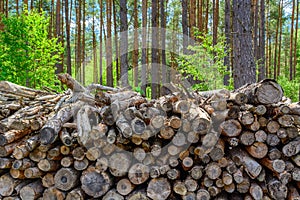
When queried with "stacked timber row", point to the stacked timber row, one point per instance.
{"points": [[119, 145]]}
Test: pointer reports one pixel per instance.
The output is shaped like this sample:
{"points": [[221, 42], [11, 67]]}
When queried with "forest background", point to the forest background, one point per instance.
{"points": [[145, 43]]}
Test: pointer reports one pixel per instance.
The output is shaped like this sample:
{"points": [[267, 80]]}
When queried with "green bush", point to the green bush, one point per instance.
{"points": [[205, 63], [27, 55]]}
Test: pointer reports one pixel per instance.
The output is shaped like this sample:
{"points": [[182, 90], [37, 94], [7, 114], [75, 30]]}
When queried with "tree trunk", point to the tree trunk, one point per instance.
{"points": [[135, 53], [276, 45], [254, 17], [95, 71], [185, 30], [116, 42], [192, 20], [124, 43], [228, 41], [261, 58], [154, 53], [59, 66], [109, 62], [215, 21], [280, 11], [292, 75], [78, 44], [83, 60], [206, 16], [68, 49], [144, 46], [295, 42], [101, 42], [199, 16], [164, 70], [244, 70]]}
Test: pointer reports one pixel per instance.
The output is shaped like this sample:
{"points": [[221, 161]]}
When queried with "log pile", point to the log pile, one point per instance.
{"points": [[119, 145]]}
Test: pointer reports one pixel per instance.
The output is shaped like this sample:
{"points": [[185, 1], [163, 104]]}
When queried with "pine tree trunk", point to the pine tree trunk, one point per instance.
{"points": [[185, 30], [296, 37], [280, 37], [83, 60], [68, 49], [78, 44], [228, 41], [101, 42], [164, 70], [59, 66], [124, 43], [109, 65], [261, 58], [135, 53], [244, 70], [206, 16], [215, 21], [292, 75], [192, 20], [17, 7], [276, 46], [154, 53], [95, 70], [144, 47], [116, 42], [199, 16]]}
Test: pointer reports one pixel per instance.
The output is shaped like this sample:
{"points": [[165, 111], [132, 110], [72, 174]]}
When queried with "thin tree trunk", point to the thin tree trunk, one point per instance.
{"points": [[280, 38], [154, 53], [7, 8], [295, 43], [1, 11], [68, 49], [255, 27], [163, 41], [144, 46], [185, 30], [95, 66], [135, 52], [215, 21], [101, 42], [276, 46], [206, 16], [17, 7], [83, 44], [228, 41], [200, 22], [291, 43], [109, 65], [261, 63], [59, 66], [25, 3], [124, 43], [78, 49], [116, 42], [192, 20], [267, 42]]}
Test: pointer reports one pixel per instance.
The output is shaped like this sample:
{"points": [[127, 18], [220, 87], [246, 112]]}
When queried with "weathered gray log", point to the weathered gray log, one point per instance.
{"points": [[66, 179], [267, 91], [159, 189], [95, 184], [32, 191]]}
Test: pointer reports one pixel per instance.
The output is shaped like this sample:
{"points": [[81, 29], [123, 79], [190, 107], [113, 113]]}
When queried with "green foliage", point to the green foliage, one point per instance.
{"points": [[290, 88], [205, 63], [27, 55]]}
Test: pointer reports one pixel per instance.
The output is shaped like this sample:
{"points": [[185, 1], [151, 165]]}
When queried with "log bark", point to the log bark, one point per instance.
{"points": [[267, 91], [32, 191]]}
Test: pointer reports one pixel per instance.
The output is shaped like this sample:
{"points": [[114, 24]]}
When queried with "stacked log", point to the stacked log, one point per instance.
{"points": [[118, 144]]}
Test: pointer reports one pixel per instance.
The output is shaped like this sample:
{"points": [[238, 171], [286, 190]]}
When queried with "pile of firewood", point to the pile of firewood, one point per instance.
{"points": [[108, 143]]}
